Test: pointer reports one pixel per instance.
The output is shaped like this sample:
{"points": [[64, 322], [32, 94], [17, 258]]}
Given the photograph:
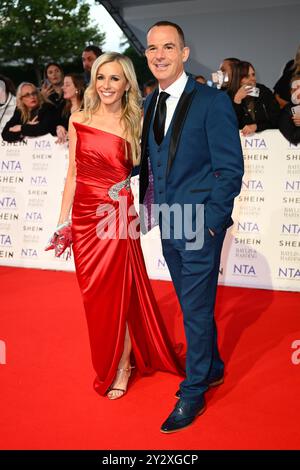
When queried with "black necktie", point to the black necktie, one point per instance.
{"points": [[160, 117]]}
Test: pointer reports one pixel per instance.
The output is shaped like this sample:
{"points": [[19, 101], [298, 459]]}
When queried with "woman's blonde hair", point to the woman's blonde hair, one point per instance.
{"points": [[25, 112], [131, 100]]}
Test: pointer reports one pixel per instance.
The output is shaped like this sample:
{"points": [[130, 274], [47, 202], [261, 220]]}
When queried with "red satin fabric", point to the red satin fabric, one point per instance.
{"points": [[111, 272]]}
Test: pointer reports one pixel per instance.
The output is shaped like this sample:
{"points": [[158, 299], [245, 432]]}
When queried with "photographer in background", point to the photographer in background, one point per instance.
{"points": [[7, 100], [289, 121], [254, 103]]}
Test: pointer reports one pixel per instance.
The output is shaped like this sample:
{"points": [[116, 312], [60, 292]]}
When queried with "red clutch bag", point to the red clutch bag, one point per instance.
{"points": [[61, 240]]}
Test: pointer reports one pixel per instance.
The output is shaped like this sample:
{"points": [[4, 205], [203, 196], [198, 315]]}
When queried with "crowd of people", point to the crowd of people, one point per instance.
{"points": [[33, 111]]}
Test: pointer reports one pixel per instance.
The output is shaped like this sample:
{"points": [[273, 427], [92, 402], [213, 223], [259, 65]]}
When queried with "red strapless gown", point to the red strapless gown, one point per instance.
{"points": [[111, 272]]}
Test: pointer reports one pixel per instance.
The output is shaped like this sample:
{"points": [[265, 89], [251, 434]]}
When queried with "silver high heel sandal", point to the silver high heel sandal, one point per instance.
{"points": [[123, 390]]}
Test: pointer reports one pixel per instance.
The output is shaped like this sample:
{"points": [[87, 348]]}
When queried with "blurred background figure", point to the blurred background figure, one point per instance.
{"points": [[52, 85], [254, 103], [73, 91], [149, 87], [282, 88], [226, 67], [7, 100], [289, 121], [200, 79], [33, 116], [89, 55]]}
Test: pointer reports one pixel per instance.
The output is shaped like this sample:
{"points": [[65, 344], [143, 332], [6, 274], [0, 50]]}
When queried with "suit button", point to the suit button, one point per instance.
{"points": [[160, 192], [159, 163], [159, 178], [158, 150]]}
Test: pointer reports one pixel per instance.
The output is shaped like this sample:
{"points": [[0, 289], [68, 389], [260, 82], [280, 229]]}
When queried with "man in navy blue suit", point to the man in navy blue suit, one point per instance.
{"points": [[191, 154]]}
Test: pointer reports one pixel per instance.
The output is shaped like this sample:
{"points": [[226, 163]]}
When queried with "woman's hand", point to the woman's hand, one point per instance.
{"points": [[249, 129], [296, 119], [62, 135], [33, 121], [241, 94], [16, 128], [47, 90]]}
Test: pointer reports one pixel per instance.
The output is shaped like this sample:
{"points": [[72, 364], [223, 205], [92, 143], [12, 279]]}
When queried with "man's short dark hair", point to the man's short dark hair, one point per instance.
{"points": [[95, 49], [174, 25]]}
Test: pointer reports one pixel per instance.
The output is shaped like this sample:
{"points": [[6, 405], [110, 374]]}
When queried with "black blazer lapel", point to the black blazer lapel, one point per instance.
{"points": [[144, 173], [179, 120]]}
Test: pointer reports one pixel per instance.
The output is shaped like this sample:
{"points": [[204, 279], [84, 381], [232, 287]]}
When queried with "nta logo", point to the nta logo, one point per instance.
{"points": [[244, 269], [248, 227], [255, 143], [289, 273], [292, 229], [253, 185]]}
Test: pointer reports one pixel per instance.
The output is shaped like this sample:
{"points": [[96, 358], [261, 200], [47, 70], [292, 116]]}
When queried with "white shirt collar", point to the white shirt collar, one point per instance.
{"points": [[177, 87]]}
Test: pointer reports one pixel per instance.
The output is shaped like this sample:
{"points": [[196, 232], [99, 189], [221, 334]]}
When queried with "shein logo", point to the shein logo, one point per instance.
{"points": [[39, 180], [2, 352], [253, 185], [28, 253], [293, 229], [255, 143], [42, 144], [5, 240], [10, 165], [244, 269], [296, 354], [289, 273], [8, 202], [248, 227], [292, 185]]}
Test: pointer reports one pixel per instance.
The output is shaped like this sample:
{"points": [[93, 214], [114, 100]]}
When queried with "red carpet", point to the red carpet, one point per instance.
{"points": [[47, 400]]}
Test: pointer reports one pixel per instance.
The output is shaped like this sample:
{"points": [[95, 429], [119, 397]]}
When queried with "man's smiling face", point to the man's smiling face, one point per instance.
{"points": [[166, 54]]}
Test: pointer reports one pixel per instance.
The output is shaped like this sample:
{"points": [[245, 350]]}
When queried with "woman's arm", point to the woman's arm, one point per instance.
{"points": [[282, 103], [269, 118], [7, 134], [287, 127], [48, 118], [70, 184]]}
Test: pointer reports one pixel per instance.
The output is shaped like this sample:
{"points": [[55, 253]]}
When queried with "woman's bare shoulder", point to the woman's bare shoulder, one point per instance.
{"points": [[77, 117]]}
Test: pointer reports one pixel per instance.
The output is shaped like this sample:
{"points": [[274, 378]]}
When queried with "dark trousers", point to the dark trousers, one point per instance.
{"points": [[195, 276]]}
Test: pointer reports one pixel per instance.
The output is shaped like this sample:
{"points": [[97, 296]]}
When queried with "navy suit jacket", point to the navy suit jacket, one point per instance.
{"points": [[205, 160]]}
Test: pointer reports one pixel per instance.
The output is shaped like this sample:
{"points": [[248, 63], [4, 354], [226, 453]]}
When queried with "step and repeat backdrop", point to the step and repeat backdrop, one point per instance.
{"points": [[261, 250]]}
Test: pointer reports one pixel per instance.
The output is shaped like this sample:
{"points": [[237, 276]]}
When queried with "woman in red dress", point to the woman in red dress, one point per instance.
{"points": [[122, 315]]}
